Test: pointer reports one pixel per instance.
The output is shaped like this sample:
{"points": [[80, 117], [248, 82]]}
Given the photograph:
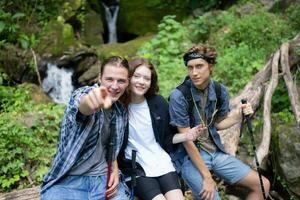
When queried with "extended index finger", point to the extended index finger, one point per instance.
{"points": [[106, 97]]}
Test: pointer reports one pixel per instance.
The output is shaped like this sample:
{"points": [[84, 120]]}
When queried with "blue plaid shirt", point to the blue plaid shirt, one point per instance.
{"points": [[79, 134]]}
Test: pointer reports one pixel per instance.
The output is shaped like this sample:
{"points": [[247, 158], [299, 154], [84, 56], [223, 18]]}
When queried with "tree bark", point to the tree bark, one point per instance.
{"points": [[26, 194], [292, 90], [263, 148], [254, 91]]}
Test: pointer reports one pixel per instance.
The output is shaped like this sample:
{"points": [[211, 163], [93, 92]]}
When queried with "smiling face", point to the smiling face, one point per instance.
{"points": [[115, 79], [140, 81], [199, 71]]}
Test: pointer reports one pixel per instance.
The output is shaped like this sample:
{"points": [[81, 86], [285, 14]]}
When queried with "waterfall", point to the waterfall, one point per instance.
{"points": [[111, 14], [58, 83]]}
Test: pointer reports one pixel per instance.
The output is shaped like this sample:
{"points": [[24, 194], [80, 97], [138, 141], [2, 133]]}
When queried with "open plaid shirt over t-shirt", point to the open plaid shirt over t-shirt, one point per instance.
{"points": [[79, 135]]}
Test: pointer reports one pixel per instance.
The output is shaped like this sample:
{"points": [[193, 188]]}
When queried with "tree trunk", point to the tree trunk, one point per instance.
{"points": [[255, 90], [26, 194]]}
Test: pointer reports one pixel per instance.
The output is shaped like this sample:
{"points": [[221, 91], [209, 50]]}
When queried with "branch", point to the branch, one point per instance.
{"points": [[36, 67], [253, 92], [263, 148], [292, 90]]}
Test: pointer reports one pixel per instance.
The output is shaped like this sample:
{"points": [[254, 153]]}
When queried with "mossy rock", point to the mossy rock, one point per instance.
{"points": [[92, 33], [141, 17], [126, 50], [57, 38], [15, 63], [286, 146], [71, 7], [36, 93]]}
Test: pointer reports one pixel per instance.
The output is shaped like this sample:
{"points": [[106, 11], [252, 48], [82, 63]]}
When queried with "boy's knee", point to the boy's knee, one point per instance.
{"points": [[258, 187]]}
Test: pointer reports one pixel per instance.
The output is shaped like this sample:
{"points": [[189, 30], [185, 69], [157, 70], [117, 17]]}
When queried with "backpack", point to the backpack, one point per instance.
{"points": [[184, 88]]}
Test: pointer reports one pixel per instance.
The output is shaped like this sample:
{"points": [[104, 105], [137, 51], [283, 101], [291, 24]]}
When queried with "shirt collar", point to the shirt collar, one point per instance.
{"points": [[211, 91]]}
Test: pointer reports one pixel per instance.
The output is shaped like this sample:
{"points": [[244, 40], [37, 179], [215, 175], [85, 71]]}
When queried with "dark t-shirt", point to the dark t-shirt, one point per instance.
{"points": [[96, 164]]}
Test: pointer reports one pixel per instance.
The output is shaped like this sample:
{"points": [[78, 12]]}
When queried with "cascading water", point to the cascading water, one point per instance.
{"points": [[111, 14], [58, 83]]}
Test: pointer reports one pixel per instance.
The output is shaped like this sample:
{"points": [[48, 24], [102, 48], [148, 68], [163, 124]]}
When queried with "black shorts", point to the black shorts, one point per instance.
{"points": [[149, 187]]}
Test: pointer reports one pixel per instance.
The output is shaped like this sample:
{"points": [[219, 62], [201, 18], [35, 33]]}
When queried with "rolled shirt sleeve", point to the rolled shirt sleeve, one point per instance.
{"points": [[178, 108]]}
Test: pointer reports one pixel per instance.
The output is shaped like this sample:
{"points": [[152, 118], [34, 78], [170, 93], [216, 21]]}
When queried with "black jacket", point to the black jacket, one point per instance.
{"points": [[163, 132]]}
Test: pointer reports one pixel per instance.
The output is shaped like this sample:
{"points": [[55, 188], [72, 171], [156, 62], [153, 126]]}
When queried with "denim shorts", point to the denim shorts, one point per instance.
{"points": [[82, 188], [223, 165]]}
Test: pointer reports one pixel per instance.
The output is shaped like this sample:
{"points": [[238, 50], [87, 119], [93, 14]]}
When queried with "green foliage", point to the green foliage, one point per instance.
{"points": [[11, 32], [293, 15], [285, 186], [20, 20], [28, 137], [280, 98], [39, 11], [163, 4], [9, 29], [205, 25], [240, 61], [222, 194], [285, 116], [165, 51], [75, 9], [245, 44], [3, 77], [256, 31], [205, 5]]}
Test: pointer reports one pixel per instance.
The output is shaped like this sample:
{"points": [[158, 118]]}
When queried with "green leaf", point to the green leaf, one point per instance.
{"points": [[24, 43], [18, 15], [2, 26]]}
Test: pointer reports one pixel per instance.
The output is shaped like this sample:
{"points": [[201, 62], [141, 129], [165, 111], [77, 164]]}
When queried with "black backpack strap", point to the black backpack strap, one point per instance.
{"points": [[185, 89]]}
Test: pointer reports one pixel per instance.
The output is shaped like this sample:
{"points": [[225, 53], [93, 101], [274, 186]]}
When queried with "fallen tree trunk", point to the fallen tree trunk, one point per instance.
{"points": [[263, 148], [292, 90], [26, 194], [256, 89]]}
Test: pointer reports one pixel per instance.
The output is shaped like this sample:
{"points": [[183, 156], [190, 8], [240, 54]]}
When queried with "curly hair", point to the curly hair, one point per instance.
{"points": [[204, 49]]}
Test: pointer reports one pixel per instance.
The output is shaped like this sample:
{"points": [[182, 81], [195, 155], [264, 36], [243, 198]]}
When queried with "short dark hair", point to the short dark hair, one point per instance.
{"points": [[115, 61], [137, 62]]}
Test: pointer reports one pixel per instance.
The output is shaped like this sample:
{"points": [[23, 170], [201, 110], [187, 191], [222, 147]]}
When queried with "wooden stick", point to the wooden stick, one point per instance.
{"points": [[36, 67]]}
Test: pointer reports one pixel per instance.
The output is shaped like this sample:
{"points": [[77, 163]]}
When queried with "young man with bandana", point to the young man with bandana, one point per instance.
{"points": [[197, 159]]}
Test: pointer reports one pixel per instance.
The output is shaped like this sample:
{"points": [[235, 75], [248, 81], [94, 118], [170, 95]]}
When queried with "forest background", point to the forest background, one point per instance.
{"points": [[73, 34]]}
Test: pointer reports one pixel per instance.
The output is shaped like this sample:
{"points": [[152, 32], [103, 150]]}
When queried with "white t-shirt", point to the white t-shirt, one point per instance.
{"points": [[150, 155]]}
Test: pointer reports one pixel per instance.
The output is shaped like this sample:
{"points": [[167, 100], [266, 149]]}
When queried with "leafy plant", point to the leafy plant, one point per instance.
{"points": [[246, 45], [205, 5], [20, 21], [163, 4], [202, 27], [166, 50], [293, 15], [28, 136]]}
